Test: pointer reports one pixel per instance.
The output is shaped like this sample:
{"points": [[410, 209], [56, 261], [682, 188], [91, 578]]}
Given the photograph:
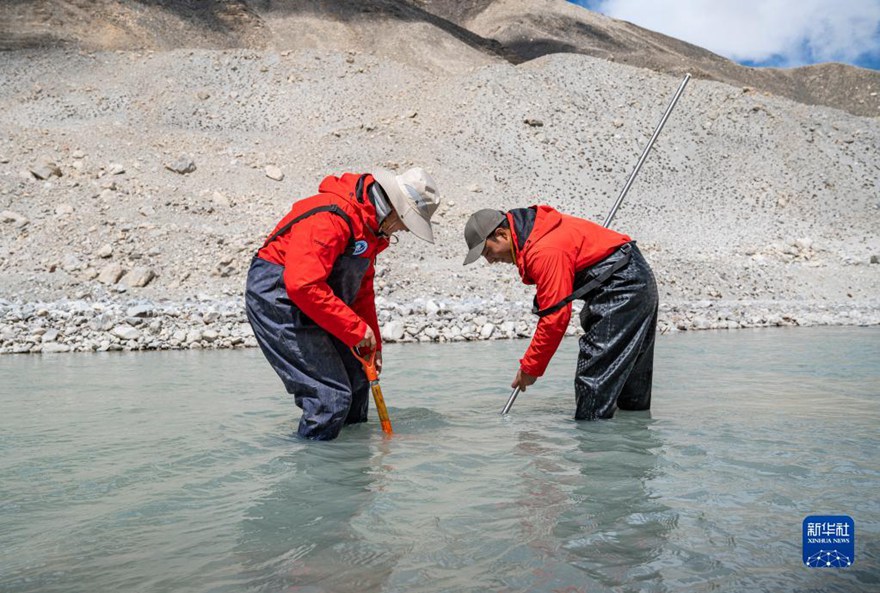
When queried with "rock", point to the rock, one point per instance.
{"points": [[803, 244], [54, 348], [45, 169], [182, 165], [220, 200], [273, 172], [126, 332], [111, 273], [70, 263], [141, 311], [393, 331], [487, 330], [105, 251], [103, 322], [63, 210], [117, 169], [535, 123], [139, 277], [15, 218], [50, 336]]}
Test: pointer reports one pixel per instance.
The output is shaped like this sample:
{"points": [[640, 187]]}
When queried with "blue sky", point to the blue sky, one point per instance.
{"points": [[781, 33]]}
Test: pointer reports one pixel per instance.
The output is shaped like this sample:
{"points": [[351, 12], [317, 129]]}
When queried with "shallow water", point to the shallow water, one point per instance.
{"points": [[179, 471]]}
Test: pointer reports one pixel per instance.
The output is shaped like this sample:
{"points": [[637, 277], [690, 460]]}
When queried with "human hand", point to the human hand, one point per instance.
{"points": [[523, 380], [368, 341], [378, 362]]}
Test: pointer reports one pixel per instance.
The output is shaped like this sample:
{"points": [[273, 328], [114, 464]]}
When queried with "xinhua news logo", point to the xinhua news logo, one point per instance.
{"points": [[829, 541]]}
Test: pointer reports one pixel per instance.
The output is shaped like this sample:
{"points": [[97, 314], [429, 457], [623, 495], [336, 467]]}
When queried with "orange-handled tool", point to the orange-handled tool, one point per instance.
{"points": [[369, 365]]}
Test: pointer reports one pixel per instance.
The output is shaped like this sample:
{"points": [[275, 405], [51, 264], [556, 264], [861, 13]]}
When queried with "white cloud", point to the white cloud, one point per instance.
{"points": [[793, 32]]}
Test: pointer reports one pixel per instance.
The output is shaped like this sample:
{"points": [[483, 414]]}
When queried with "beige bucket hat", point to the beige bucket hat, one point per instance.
{"points": [[414, 196]]}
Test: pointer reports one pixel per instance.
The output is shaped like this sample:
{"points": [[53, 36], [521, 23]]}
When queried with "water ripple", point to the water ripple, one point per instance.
{"points": [[181, 472]]}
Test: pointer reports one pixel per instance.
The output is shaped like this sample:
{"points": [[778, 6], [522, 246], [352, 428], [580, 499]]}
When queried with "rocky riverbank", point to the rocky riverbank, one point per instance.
{"points": [[205, 323]]}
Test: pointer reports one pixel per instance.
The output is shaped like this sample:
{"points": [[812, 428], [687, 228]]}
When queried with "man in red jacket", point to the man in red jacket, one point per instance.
{"points": [[569, 258], [309, 295]]}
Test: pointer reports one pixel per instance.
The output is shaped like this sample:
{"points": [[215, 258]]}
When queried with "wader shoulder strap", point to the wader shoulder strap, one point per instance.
{"points": [[592, 281], [326, 208]]}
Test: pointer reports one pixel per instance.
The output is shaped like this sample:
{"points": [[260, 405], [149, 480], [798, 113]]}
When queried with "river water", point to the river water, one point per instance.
{"points": [[180, 472]]}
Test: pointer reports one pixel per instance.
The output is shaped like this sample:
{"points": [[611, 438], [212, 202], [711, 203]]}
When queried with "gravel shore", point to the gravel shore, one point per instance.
{"points": [[101, 326]]}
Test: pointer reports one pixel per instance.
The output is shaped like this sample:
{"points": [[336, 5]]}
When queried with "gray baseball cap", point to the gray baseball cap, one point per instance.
{"points": [[477, 229]]}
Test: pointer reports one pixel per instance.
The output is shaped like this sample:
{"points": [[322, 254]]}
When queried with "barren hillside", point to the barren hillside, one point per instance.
{"points": [[135, 185], [512, 30]]}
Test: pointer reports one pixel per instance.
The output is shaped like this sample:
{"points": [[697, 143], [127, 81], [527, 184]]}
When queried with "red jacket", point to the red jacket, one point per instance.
{"points": [[310, 248], [553, 250]]}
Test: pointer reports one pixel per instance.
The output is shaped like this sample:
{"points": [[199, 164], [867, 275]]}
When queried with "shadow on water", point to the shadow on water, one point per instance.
{"points": [[591, 516], [300, 533], [618, 532]]}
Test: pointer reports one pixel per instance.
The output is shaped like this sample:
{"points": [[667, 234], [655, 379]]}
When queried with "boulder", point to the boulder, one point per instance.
{"points": [[393, 331], [182, 165], [45, 169], [15, 218], [139, 277], [126, 332], [273, 172], [111, 273]]}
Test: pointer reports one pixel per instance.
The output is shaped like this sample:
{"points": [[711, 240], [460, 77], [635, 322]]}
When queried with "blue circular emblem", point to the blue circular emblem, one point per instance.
{"points": [[360, 247]]}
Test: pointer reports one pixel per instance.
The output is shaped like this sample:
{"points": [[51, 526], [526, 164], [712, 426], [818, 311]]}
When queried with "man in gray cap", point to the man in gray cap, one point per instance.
{"points": [[569, 258], [310, 296]]}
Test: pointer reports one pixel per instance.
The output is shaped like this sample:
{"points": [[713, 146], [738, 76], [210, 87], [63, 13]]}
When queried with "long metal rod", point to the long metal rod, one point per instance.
{"points": [[626, 187], [645, 152], [510, 401]]}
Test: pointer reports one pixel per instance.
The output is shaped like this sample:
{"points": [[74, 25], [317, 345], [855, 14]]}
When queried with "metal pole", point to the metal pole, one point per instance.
{"points": [[645, 152], [626, 187], [510, 401]]}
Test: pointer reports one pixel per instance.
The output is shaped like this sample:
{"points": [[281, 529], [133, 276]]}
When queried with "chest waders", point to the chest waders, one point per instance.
{"points": [[319, 370]]}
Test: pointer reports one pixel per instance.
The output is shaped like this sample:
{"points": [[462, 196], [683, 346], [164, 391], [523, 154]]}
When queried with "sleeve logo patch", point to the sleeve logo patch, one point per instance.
{"points": [[359, 247]]}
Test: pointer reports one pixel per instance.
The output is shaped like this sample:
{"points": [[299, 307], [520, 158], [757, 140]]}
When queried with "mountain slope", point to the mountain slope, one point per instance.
{"points": [[444, 34]]}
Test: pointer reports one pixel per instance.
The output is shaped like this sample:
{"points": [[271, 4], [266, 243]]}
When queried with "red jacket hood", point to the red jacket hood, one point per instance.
{"points": [[344, 188], [546, 220]]}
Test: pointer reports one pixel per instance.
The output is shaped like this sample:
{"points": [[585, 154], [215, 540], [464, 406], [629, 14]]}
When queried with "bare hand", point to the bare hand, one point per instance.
{"points": [[368, 341], [523, 380], [378, 362]]}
